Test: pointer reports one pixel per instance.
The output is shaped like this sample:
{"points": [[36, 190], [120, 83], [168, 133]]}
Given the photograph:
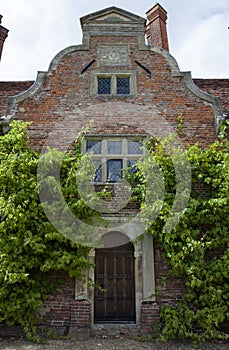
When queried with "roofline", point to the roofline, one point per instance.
{"points": [[110, 9]]}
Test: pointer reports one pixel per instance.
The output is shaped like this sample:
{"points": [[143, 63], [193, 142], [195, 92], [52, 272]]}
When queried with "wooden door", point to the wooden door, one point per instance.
{"points": [[114, 272]]}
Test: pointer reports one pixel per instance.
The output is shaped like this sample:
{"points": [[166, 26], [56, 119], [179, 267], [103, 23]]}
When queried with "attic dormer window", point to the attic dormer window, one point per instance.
{"points": [[113, 84]]}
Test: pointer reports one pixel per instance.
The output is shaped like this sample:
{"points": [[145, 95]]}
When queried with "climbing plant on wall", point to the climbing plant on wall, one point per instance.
{"points": [[30, 247], [196, 249]]}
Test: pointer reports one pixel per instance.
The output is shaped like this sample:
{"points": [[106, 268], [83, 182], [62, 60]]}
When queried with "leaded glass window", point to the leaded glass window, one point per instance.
{"points": [[114, 147], [114, 170], [113, 84], [135, 147], [132, 166], [98, 171], [123, 86], [104, 86], [94, 146], [112, 155]]}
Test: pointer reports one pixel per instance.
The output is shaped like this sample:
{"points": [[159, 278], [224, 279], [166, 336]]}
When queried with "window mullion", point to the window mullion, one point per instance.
{"points": [[104, 169], [113, 84], [125, 146]]}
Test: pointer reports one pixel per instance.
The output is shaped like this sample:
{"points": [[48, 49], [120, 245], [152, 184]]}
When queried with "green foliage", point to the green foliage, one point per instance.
{"points": [[224, 129], [196, 249], [31, 248], [180, 125]]}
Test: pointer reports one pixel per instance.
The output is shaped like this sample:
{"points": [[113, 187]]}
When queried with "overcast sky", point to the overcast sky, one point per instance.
{"points": [[38, 29]]}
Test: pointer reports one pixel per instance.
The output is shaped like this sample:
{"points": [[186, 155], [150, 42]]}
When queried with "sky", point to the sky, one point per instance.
{"points": [[38, 29]]}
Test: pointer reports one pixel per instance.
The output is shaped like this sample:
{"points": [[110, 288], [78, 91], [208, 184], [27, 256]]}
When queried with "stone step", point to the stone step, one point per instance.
{"points": [[114, 329]]}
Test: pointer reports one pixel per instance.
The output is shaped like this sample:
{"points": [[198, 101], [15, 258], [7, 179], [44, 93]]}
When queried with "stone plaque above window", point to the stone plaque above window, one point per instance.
{"points": [[115, 55]]}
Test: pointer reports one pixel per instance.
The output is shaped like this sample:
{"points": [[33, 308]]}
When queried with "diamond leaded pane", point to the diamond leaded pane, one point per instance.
{"points": [[132, 168], [135, 147], [94, 146], [98, 171], [104, 86], [114, 170], [114, 147], [123, 86]]}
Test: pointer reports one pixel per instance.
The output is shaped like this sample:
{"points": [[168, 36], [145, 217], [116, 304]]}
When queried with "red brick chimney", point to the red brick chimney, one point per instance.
{"points": [[156, 32], [3, 36]]}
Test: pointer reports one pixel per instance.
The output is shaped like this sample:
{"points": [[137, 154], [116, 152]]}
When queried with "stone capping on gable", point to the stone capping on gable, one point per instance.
{"points": [[213, 100], [113, 21], [41, 77], [112, 16], [175, 71], [189, 83]]}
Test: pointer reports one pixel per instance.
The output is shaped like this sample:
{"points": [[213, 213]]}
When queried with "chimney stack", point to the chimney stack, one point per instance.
{"points": [[156, 32], [3, 36]]}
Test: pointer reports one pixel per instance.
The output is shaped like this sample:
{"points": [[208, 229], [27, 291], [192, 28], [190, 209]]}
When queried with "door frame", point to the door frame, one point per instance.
{"points": [[137, 282], [143, 264]]}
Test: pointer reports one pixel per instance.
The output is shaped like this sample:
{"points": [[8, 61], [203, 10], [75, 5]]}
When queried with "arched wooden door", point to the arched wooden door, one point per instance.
{"points": [[114, 272]]}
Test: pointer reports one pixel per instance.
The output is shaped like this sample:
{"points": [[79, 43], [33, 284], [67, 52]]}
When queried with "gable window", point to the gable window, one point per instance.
{"points": [[123, 86], [111, 156], [113, 84], [104, 86]]}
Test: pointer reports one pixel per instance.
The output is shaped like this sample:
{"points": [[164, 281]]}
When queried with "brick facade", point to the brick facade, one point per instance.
{"points": [[62, 102], [166, 95]]}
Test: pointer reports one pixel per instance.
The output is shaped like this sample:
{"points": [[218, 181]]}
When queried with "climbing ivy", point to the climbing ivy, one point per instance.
{"points": [[196, 249], [180, 125], [30, 247]]}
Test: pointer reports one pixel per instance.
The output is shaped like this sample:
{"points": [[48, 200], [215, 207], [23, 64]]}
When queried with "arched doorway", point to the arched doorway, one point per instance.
{"points": [[114, 272]]}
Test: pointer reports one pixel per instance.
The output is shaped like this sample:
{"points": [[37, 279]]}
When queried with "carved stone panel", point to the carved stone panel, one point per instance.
{"points": [[115, 55]]}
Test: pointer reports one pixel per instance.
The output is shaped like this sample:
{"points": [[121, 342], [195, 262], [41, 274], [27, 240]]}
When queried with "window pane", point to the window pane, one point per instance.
{"points": [[135, 147], [114, 170], [123, 86], [132, 166], [98, 172], [114, 147], [104, 86], [94, 146]]}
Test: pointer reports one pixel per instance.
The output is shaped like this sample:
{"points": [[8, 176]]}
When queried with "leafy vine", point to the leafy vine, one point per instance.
{"points": [[197, 247]]}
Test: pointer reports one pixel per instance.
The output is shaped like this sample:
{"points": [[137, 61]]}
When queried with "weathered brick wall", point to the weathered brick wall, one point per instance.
{"points": [[150, 315], [169, 291], [80, 314], [117, 198], [216, 87], [56, 310], [64, 98], [10, 89], [61, 309]]}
